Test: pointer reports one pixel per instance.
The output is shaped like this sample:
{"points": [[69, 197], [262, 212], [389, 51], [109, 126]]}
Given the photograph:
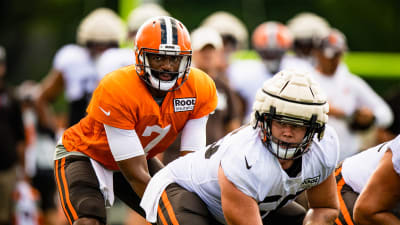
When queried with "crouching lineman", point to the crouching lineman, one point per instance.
{"points": [[369, 184], [262, 166]]}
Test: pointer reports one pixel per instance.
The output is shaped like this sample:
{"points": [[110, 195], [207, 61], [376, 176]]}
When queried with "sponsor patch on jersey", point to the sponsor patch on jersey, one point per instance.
{"points": [[184, 104], [310, 182]]}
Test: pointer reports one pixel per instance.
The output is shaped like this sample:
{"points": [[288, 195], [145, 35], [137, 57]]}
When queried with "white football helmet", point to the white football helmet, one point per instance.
{"points": [[308, 25], [228, 25], [295, 98], [102, 26], [142, 13], [308, 30]]}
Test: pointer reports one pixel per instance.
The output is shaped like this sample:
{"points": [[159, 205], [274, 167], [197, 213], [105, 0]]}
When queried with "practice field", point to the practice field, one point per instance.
{"points": [[380, 70], [364, 64], [371, 65]]}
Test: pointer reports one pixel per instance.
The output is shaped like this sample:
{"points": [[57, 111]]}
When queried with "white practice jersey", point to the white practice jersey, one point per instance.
{"points": [[78, 70], [296, 63], [250, 166], [246, 77], [349, 92], [114, 58], [357, 169]]}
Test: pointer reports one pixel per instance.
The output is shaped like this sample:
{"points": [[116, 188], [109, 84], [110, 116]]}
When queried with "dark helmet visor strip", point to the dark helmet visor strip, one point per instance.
{"points": [[163, 24]]}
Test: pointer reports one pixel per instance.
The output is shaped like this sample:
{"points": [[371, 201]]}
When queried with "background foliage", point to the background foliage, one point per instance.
{"points": [[32, 31]]}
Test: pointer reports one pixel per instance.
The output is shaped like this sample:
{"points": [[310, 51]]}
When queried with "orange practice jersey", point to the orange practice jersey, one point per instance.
{"points": [[122, 100]]}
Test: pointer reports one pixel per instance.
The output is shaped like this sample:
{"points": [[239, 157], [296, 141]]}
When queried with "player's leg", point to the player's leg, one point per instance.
{"points": [[125, 193], [80, 196], [8, 180], [179, 206], [43, 181], [347, 198], [292, 213]]}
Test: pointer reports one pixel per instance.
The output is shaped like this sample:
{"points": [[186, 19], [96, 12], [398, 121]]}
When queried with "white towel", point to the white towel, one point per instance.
{"points": [[153, 192], [105, 178]]}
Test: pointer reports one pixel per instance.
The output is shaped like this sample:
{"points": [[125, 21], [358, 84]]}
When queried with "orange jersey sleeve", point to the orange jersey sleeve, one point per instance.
{"points": [[122, 100]]}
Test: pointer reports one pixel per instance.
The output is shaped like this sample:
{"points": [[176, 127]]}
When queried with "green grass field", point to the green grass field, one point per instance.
{"points": [[364, 64], [368, 64]]}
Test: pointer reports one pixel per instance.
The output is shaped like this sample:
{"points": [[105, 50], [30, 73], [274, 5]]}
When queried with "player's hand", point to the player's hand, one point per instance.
{"points": [[362, 119]]}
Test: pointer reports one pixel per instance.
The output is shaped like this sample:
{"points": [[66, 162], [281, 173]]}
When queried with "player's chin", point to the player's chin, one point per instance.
{"points": [[165, 77]]}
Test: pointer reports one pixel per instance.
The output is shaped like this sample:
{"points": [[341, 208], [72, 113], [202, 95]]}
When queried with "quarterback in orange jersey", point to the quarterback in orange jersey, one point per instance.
{"points": [[135, 112]]}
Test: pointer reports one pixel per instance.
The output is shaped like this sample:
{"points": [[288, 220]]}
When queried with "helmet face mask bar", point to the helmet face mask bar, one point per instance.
{"points": [[169, 39], [290, 98], [152, 77], [281, 149]]}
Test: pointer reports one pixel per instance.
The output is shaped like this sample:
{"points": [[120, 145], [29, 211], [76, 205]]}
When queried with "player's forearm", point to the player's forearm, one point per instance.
{"points": [[139, 182], [376, 218], [136, 173], [321, 216], [236, 218], [45, 118], [154, 165]]}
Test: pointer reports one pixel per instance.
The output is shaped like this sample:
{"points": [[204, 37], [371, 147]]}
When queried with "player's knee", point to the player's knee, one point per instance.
{"points": [[87, 221], [88, 208]]}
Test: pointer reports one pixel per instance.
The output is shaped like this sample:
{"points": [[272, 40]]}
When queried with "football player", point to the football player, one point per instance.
{"points": [[271, 40], [13, 141], [353, 105], [368, 186], [308, 30], [262, 166], [207, 48], [234, 37], [135, 113], [232, 30], [74, 70]]}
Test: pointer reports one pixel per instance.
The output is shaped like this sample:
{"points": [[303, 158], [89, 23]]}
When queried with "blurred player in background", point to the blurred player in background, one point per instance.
{"points": [[207, 49], [354, 105], [12, 139], [234, 37], [74, 66], [308, 30], [38, 156], [271, 40]]}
